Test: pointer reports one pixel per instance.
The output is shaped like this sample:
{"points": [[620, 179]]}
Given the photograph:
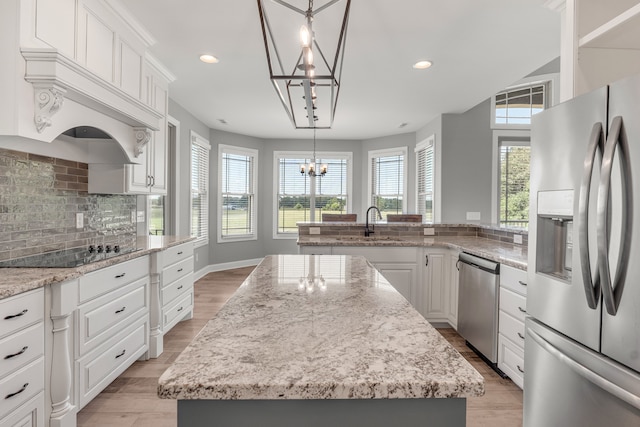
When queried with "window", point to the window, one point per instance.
{"points": [[514, 184], [237, 171], [425, 160], [388, 180], [515, 107], [156, 215], [199, 189], [301, 198]]}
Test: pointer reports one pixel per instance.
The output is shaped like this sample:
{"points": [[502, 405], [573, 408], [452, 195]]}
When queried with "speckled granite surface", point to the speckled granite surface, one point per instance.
{"points": [[356, 337], [504, 253], [17, 280]]}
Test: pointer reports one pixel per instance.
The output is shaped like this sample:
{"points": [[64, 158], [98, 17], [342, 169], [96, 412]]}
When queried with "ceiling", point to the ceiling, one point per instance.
{"points": [[477, 47]]}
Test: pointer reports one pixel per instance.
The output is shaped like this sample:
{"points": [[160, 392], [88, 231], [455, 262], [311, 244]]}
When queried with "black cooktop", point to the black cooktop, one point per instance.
{"points": [[68, 258]]}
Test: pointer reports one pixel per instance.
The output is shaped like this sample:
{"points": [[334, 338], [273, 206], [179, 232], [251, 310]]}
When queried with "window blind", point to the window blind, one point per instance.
{"points": [[425, 172], [200, 190], [237, 188], [387, 184], [514, 184]]}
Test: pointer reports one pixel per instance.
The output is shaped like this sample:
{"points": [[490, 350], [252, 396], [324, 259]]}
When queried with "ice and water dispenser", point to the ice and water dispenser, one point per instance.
{"points": [[554, 250]]}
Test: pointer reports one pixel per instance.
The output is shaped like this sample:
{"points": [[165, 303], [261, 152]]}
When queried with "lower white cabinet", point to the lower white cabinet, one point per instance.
{"points": [[171, 292], [513, 309], [22, 374], [436, 284], [112, 327]]}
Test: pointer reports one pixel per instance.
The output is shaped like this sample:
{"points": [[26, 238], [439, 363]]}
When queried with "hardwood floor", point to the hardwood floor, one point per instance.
{"points": [[131, 399]]}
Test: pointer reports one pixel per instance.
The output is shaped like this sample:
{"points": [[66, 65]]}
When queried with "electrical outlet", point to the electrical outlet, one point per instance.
{"points": [[517, 239], [429, 231], [473, 216], [314, 230], [140, 216], [79, 220]]}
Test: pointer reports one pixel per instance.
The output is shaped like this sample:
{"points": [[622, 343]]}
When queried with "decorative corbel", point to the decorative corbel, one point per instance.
{"points": [[142, 136], [48, 100]]}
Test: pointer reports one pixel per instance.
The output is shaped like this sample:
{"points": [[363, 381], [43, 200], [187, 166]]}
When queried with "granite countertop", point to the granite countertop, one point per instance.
{"points": [[14, 281], [356, 337], [504, 253]]}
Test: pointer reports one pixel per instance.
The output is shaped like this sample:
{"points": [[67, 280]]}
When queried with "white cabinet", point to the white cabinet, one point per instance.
{"points": [[513, 309], [171, 292], [436, 285], [600, 43], [150, 175], [453, 285], [22, 374], [112, 325], [399, 265]]}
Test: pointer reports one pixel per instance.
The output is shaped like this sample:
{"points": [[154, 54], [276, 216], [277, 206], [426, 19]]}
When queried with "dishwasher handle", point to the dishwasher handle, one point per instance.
{"points": [[481, 263]]}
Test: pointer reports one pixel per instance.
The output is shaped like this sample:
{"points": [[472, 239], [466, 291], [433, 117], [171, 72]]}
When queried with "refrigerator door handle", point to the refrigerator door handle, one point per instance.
{"points": [[616, 143], [586, 373], [591, 283]]}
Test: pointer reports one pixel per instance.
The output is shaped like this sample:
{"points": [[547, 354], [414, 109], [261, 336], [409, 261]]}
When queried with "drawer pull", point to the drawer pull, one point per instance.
{"points": [[520, 369], [121, 310], [10, 395], [520, 335], [180, 270], [11, 356], [119, 276], [13, 316], [180, 287], [121, 354], [180, 253], [522, 283], [180, 309], [522, 310]]}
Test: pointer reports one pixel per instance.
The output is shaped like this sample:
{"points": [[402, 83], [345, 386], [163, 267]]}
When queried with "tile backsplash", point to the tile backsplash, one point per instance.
{"points": [[39, 199]]}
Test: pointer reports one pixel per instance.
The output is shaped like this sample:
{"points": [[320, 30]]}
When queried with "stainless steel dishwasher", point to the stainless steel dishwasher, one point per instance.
{"points": [[478, 306]]}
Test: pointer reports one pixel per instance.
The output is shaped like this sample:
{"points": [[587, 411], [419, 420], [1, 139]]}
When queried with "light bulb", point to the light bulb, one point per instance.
{"points": [[305, 36]]}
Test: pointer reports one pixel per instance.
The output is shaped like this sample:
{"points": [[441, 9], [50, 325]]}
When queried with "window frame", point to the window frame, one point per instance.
{"points": [[323, 155], [196, 139], [429, 142], [240, 151], [551, 97], [388, 152]]}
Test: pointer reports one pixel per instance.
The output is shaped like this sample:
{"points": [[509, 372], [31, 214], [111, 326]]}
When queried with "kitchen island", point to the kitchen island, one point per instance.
{"points": [[315, 341]]}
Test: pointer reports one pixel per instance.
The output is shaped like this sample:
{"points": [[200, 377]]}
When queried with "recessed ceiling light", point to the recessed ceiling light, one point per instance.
{"points": [[421, 65], [223, 121], [209, 59], [403, 124]]}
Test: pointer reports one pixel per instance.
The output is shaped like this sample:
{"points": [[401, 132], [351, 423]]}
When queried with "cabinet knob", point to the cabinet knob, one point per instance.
{"points": [[520, 369], [522, 310], [121, 310], [426, 260], [119, 276], [522, 283], [10, 395], [11, 356], [520, 335], [13, 316], [121, 354]]}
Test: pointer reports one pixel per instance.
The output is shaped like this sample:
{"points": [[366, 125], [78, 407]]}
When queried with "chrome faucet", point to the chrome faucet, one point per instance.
{"points": [[368, 231]]}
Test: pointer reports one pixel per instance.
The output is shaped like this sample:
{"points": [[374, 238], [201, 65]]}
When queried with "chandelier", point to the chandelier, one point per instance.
{"points": [[306, 78], [311, 167]]}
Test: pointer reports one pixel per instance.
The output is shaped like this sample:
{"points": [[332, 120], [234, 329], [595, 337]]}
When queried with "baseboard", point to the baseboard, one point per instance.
{"points": [[224, 266]]}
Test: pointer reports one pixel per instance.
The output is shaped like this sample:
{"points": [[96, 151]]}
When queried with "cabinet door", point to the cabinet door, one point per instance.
{"points": [[158, 162], [138, 175], [452, 313], [435, 285], [402, 277]]}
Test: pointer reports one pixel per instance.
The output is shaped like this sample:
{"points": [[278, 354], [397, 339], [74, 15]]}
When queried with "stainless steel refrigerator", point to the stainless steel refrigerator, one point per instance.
{"points": [[582, 345]]}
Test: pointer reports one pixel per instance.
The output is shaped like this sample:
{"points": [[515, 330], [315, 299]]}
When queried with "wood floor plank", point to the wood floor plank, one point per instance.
{"points": [[131, 399]]}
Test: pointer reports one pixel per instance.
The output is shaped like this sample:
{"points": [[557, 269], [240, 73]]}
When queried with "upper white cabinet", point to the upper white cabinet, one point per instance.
{"points": [[600, 43], [70, 63]]}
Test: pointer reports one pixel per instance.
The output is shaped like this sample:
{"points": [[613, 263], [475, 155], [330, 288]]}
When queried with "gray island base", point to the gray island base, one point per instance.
{"points": [[323, 413], [319, 340]]}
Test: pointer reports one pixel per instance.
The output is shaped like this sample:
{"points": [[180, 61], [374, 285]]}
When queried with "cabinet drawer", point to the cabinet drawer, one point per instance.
{"points": [[511, 328], [21, 348], [178, 253], [29, 414], [21, 386], [107, 279], [513, 279], [20, 311], [512, 303], [177, 288], [177, 311], [176, 271], [98, 317], [98, 368], [511, 360]]}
